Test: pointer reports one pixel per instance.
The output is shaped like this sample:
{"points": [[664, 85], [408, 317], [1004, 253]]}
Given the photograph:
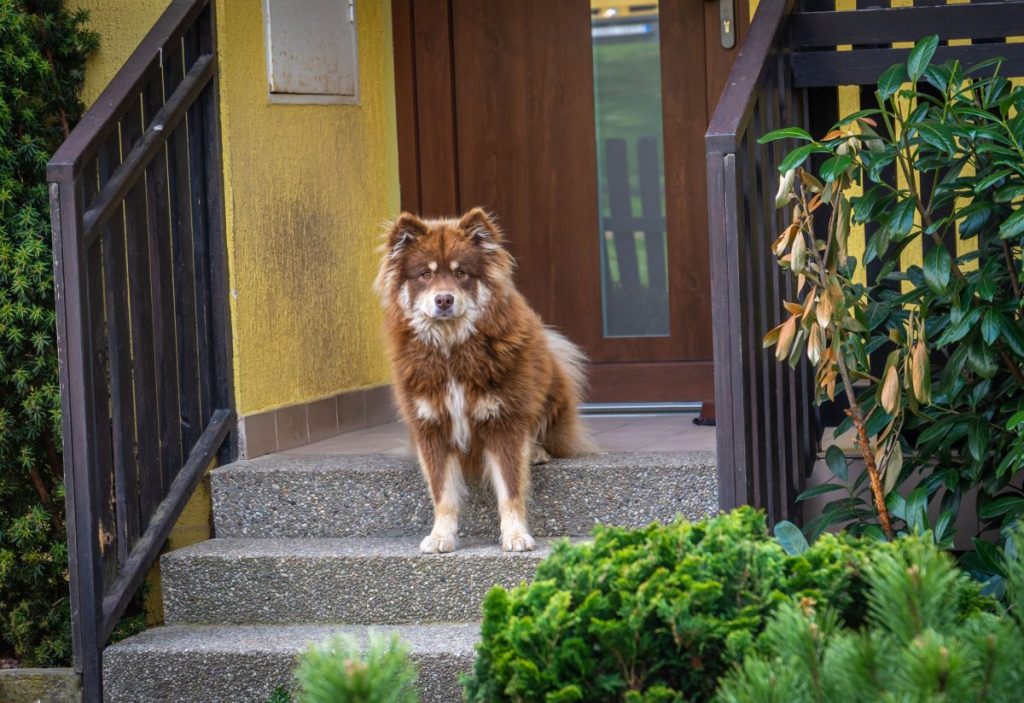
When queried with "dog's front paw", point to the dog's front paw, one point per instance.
{"points": [[439, 543], [517, 541], [539, 455]]}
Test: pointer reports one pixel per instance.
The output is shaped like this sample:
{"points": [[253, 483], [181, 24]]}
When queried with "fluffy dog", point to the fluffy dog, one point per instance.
{"points": [[483, 386]]}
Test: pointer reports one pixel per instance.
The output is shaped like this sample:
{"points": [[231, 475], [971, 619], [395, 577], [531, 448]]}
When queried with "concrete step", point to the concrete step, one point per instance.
{"points": [[243, 664], [362, 580], [293, 495]]}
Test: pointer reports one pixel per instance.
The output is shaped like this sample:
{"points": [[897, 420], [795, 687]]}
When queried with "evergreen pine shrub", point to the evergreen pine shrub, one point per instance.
{"points": [[337, 672], [661, 613], [923, 641], [42, 55]]}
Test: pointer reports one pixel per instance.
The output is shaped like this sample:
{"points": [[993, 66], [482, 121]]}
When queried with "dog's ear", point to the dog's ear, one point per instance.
{"points": [[407, 228], [481, 228]]}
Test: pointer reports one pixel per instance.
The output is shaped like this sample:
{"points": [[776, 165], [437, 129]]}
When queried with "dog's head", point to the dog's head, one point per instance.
{"points": [[442, 274]]}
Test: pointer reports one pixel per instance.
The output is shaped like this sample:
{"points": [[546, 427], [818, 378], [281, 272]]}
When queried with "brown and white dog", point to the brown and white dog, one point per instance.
{"points": [[483, 386]]}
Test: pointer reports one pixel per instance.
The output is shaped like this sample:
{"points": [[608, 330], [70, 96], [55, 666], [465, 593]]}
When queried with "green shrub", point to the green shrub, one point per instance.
{"points": [[919, 643], [337, 672], [42, 55], [657, 614]]}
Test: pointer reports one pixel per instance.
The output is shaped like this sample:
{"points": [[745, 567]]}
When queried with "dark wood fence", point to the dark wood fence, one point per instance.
{"points": [[142, 324], [624, 223], [786, 74]]}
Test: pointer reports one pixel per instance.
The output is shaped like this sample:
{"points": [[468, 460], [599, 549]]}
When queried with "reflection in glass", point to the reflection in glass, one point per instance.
{"points": [[627, 106]]}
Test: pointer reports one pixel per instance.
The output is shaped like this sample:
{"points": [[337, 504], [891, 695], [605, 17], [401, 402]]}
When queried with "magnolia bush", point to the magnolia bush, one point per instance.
{"points": [[928, 355]]}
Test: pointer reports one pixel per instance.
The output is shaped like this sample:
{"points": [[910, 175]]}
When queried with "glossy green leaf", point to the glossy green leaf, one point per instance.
{"points": [[991, 179], [835, 167], [816, 491], [921, 55], [798, 156], [891, 80], [901, 221], [1015, 421], [1013, 335], [1009, 193], [977, 438], [786, 133], [937, 263], [791, 538], [837, 464], [1002, 506], [990, 325], [1013, 225]]}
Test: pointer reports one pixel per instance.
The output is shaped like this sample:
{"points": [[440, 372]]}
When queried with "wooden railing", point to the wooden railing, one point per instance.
{"points": [[786, 74], [142, 322]]}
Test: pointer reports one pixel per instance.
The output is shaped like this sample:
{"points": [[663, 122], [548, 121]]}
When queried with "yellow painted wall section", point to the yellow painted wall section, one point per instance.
{"points": [[121, 25], [307, 188]]}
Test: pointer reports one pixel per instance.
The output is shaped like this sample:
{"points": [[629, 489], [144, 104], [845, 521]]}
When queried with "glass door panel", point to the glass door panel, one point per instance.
{"points": [[630, 158]]}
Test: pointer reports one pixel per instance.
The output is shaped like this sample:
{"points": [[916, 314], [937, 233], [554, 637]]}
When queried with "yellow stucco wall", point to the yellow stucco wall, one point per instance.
{"points": [[306, 189]]}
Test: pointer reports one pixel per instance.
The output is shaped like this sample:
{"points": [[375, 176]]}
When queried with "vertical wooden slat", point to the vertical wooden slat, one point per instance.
{"points": [[125, 466], [140, 283], [734, 336], [217, 256], [649, 172], [719, 209], [759, 193], [200, 238], [782, 456], [760, 419], [620, 205], [183, 282], [158, 215]]}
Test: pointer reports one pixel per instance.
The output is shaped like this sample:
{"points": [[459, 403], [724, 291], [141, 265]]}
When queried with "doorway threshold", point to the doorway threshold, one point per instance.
{"points": [[663, 408]]}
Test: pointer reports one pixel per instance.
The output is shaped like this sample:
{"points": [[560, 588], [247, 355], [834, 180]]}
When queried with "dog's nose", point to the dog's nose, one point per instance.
{"points": [[444, 301]]}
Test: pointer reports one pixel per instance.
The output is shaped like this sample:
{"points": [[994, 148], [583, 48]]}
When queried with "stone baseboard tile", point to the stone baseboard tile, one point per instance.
{"points": [[306, 423]]}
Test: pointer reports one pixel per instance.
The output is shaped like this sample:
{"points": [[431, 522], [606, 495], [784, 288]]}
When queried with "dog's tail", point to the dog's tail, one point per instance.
{"points": [[564, 434]]}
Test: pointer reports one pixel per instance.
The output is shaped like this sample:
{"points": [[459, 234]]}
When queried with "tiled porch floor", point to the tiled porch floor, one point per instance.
{"points": [[651, 433]]}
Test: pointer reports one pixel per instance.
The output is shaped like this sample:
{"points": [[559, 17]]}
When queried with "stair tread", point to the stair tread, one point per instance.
{"points": [[245, 663], [345, 547], [428, 638], [383, 463], [300, 495], [350, 580]]}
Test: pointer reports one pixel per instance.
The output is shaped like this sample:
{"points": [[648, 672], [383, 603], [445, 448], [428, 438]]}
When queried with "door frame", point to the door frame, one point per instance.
{"points": [[424, 65]]}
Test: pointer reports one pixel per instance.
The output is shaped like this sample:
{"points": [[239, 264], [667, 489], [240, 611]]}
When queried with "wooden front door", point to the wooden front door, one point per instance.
{"points": [[580, 124]]}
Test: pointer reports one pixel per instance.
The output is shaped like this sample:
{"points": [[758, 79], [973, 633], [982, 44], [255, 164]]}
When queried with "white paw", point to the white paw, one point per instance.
{"points": [[439, 543], [539, 455], [517, 541]]}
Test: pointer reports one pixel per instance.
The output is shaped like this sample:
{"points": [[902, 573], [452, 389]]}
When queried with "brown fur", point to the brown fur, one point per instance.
{"points": [[492, 385]]}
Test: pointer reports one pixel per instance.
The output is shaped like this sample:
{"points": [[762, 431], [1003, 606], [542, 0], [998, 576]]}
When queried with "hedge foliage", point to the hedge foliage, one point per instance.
{"points": [[661, 613], [42, 55], [920, 643]]}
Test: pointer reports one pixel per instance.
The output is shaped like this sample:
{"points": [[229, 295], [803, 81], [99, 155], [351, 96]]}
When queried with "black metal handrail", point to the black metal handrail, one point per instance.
{"points": [[142, 320], [768, 432]]}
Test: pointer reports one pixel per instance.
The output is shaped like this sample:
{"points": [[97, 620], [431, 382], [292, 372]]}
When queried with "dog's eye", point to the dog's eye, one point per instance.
{"points": [[461, 274], [426, 275]]}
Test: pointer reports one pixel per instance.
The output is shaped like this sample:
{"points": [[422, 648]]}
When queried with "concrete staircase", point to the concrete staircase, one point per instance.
{"points": [[308, 546]]}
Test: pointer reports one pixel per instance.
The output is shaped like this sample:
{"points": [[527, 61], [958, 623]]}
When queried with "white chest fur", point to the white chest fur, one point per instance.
{"points": [[458, 411]]}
